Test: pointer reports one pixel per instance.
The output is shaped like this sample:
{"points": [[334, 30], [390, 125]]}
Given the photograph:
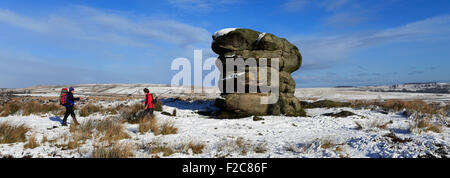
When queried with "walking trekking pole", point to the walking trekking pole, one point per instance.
{"points": [[165, 92]]}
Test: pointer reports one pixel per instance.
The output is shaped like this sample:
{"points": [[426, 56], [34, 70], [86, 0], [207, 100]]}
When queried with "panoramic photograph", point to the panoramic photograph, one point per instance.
{"points": [[224, 79]]}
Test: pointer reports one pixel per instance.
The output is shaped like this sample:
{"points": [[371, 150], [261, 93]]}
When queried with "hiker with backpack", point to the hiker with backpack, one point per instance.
{"points": [[68, 100], [149, 102]]}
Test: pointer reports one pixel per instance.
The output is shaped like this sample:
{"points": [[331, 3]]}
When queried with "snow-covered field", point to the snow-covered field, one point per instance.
{"points": [[273, 137], [354, 93], [119, 89], [344, 94]]}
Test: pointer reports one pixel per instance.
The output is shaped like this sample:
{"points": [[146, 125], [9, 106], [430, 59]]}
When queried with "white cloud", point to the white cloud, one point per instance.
{"points": [[93, 24], [333, 4], [336, 13], [429, 28], [200, 5], [345, 19], [24, 70], [295, 5], [94, 36], [321, 52], [12, 18], [328, 5]]}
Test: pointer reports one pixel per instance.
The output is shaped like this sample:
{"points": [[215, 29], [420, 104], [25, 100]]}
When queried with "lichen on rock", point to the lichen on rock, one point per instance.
{"points": [[249, 44]]}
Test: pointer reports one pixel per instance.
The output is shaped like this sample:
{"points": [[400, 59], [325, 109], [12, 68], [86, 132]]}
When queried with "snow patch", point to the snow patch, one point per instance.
{"points": [[223, 32], [261, 35]]}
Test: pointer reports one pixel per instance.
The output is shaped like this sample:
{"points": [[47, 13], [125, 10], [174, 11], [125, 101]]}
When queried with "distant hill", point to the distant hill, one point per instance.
{"points": [[426, 87]]}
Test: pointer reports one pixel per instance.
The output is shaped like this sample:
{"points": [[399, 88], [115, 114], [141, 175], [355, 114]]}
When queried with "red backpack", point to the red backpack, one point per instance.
{"points": [[63, 97]]}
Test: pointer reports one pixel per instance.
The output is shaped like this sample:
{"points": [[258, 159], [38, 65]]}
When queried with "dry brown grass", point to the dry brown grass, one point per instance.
{"points": [[32, 143], [89, 109], [197, 148], [108, 130], [51, 141], [117, 150], [73, 142], [6, 156], [96, 99], [111, 130], [434, 128], [168, 128], [44, 139], [373, 124], [239, 145], [260, 148], [394, 138], [10, 133], [325, 104], [379, 124], [112, 110], [158, 105], [418, 108], [423, 124], [144, 125], [30, 107], [158, 147], [309, 98], [443, 112], [398, 105], [327, 143], [416, 105], [167, 151], [174, 112], [358, 126], [38, 108], [131, 114], [79, 135], [364, 103], [9, 109], [339, 149], [292, 148], [243, 145], [42, 105], [149, 123], [83, 131]]}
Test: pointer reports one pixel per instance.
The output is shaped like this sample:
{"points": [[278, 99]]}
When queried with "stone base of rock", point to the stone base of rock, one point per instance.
{"points": [[244, 104]]}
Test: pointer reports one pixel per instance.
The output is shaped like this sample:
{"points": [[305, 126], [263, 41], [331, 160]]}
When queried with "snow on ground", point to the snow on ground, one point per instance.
{"points": [[280, 136], [120, 89], [341, 94], [356, 93]]}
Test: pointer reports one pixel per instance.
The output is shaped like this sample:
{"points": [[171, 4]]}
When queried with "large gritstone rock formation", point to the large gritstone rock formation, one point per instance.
{"points": [[248, 44]]}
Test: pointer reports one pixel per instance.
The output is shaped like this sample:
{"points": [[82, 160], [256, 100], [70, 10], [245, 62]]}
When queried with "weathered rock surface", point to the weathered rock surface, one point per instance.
{"points": [[245, 44]]}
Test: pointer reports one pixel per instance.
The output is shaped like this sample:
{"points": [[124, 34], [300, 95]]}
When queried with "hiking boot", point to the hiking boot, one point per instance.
{"points": [[64, 124]]}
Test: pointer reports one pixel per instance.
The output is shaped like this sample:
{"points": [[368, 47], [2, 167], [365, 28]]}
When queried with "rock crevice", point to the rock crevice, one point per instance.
{"points": [[250, 44]]}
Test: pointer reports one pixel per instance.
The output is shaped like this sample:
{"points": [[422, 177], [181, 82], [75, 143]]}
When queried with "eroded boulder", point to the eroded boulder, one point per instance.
{"points": [[249, 44]]}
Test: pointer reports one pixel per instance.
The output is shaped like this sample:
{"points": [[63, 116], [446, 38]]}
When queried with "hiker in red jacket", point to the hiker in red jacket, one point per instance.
{"points": [[149, 106]]}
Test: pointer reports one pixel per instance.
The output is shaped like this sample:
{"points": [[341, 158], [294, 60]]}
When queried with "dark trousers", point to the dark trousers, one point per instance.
{"points": [[148, 111], [69, 111]]}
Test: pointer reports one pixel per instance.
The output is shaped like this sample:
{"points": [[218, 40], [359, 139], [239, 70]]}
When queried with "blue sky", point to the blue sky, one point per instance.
{"points": [[343, 42]]}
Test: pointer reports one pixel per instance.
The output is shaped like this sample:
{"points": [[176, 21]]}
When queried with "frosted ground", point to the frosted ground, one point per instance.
{"points": [[315, 136]]}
